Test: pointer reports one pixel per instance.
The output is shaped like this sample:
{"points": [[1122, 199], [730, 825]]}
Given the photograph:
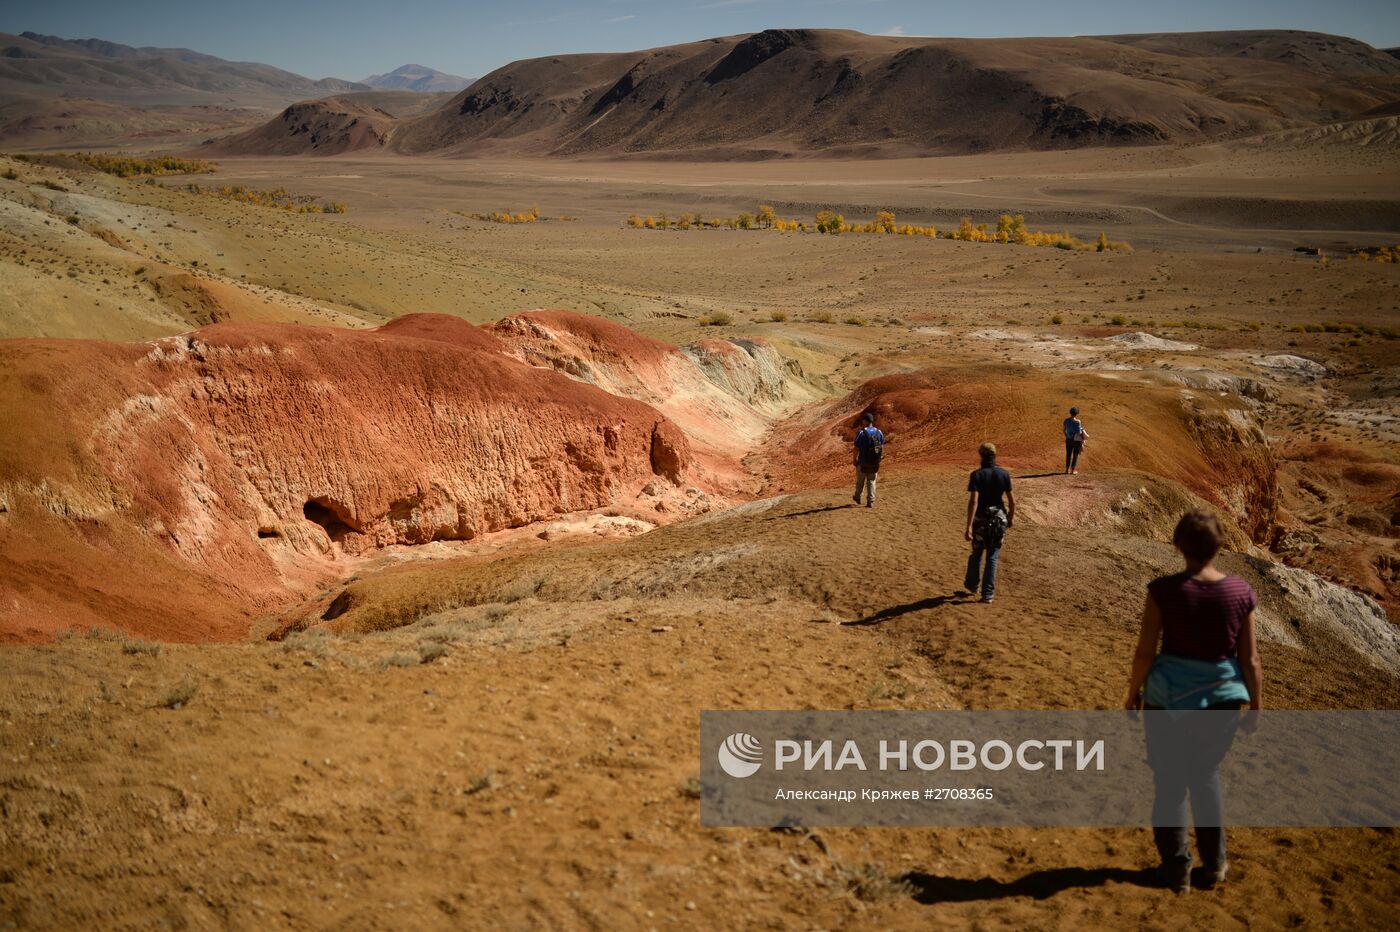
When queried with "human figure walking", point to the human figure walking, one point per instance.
{"points": [[1075, 435], [1193, 690], [870, 449], [987, 521]]}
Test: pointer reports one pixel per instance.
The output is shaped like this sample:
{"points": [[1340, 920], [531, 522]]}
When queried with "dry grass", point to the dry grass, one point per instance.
{"points": [[179, 695]]}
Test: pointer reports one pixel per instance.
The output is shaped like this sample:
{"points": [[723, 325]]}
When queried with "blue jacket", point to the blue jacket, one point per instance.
{"points": [[1182, 684]]}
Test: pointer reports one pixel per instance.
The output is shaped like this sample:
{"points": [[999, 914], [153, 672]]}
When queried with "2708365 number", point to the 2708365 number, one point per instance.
{"points": [[960, 792]]}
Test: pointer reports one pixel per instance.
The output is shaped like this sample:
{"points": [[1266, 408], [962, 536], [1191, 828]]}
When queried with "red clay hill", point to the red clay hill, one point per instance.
{"points": [[228, 469]]}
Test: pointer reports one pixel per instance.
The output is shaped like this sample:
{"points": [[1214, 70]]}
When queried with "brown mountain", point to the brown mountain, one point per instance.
{"points": [[794, 90], [39, 66], [347, 123]]}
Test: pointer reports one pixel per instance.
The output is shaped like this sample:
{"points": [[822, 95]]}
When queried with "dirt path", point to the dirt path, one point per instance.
{"points": [[538, 772]]}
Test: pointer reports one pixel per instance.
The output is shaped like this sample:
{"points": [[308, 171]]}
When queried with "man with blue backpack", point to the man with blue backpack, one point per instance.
{"points": [[870, 449]]}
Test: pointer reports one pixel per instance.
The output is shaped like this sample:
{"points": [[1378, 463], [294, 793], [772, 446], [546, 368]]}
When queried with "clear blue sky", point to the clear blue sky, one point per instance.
{"points": [[355, 38]]}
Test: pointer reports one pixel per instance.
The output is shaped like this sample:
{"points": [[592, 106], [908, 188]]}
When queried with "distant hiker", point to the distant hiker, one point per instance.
{"points": [[1209, 661], [870, 449], [1075, 435], [987, 520]]}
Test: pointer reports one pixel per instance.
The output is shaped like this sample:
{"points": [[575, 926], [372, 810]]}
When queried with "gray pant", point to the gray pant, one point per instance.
{"points": [[865, 479], [1185, 756]]}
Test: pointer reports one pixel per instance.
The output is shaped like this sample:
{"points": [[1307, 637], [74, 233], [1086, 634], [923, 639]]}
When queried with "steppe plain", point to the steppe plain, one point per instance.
{"points": [[503, 730]]}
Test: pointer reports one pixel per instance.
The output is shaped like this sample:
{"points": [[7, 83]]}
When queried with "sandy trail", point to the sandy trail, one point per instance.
{"points": [[536, 773]]}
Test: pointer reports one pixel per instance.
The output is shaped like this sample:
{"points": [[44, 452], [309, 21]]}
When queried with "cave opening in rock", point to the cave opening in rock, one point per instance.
{"points": [[265, 533], [324, 512]]}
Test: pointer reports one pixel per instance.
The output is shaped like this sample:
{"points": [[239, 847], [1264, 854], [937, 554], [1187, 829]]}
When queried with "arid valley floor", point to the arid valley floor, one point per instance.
{"points": [[358, 689]]}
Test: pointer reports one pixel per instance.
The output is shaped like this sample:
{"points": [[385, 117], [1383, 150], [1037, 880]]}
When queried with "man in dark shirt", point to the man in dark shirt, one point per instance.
{"points": [[987, 520], [870, 448]]}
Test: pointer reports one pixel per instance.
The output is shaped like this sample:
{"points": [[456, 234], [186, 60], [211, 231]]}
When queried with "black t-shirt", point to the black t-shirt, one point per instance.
{"points": [[989, 482]]}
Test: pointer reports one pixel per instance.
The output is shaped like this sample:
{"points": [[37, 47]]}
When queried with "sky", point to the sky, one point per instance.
{"points": [[355, 38]]}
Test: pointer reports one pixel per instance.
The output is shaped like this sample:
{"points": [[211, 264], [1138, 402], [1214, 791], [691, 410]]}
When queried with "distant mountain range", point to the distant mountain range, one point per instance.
{"points": [[39, 66], [417, 78], [772, 94], [795, 92]]}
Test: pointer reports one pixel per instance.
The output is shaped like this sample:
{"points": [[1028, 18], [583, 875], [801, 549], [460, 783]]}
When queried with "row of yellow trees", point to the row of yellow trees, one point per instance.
{"points": [[126, 166], [505, 216], [280, 198], [1379, 254], [1009, 228]]}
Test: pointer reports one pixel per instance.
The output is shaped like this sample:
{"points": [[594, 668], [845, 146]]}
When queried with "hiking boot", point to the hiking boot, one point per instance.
{"points": [[1176, 877], [869, 504], [856, 499], [987, 599], [1212, 876]]}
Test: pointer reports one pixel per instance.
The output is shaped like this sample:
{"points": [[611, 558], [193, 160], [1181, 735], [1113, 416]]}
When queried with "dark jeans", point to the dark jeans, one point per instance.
{"points": [[1185, 755], [974, 567], [1072, 450]]}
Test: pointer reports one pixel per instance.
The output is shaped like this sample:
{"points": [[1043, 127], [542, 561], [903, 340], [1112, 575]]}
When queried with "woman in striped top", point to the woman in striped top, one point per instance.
{"points": [[1209, 661]]}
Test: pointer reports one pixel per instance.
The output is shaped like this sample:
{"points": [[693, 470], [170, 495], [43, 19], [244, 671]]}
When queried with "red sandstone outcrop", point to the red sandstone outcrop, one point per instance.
{"points": [[247, 456]]}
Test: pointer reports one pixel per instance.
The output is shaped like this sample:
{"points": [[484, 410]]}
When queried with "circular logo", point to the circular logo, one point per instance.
{"points": [[740, 755]]}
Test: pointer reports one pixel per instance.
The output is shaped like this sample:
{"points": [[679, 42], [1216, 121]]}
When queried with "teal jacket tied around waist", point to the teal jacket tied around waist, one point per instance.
{"points": [[1181, 684]]}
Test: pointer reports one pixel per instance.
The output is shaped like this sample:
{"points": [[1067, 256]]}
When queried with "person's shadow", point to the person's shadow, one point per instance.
{"points": [[1040, 885], [811, 511], [1040, 475], [894, 611]]}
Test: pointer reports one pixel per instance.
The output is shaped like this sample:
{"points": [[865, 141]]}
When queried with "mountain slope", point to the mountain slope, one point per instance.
{"points": [[33, 65], [322, 127], [417, 78], [785, 91]]}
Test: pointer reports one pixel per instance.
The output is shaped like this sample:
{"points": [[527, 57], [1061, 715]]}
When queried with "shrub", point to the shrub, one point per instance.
{"points": [[125, 166], [821, 317], [429, 652], [717, 319], [178, 696], [1010, 228], [829, 221], [855, 320], [278, 197], [496, 216], [867, 882], [11, 174], [1057, 319], [778, 316], [1117, 320]]}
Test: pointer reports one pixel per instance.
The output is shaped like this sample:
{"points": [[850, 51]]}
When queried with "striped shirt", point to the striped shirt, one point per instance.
{"points": [[1202, 620]]}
